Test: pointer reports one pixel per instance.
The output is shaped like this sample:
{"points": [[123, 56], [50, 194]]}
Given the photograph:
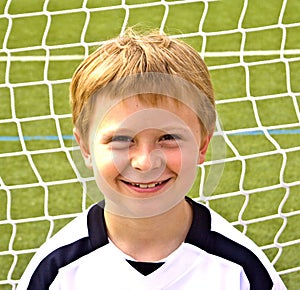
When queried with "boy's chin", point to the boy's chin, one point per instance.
{"points": [[139, 207], [144, 205]]}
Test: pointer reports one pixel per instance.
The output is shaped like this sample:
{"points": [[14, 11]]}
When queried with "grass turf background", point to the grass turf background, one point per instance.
{"points": [[229, 83]]}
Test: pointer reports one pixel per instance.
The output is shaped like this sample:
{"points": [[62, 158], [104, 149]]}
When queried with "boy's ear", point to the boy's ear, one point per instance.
{"points": [[203, 149], [85, 152]]}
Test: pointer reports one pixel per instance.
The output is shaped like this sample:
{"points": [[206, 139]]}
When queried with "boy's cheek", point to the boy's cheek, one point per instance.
{"points": [[173, 160], [110, 162]]}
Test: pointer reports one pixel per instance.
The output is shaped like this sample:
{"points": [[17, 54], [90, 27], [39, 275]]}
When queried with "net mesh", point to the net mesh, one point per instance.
{"points": [[253, 62]]}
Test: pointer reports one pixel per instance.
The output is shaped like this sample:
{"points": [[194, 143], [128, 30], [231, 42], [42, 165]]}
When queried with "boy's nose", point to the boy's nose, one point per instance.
{"points": [[146, 158]]}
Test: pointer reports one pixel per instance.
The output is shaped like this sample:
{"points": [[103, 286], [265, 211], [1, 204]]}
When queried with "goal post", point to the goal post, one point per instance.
{"points": [[251, 174]]}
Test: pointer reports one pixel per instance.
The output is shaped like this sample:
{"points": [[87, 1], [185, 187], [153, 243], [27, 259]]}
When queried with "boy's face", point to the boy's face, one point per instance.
{"points": [[145, 157]]}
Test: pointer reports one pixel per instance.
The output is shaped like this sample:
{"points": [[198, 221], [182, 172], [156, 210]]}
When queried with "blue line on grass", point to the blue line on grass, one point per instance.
{"points": [[34, 138], [71, 137], [272, 132]]}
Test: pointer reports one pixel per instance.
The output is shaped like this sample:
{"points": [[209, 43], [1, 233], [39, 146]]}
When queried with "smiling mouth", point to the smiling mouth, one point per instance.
{"points": [[147, 185]]}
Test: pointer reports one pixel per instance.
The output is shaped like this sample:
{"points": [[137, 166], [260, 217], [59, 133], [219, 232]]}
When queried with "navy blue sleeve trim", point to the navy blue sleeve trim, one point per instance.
{"points": [[200, 235], [47, 270], [256, 273], [96, 226]]}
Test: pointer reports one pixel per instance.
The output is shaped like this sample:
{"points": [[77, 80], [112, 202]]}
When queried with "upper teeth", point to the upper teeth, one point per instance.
{"points": [[148, 185]]}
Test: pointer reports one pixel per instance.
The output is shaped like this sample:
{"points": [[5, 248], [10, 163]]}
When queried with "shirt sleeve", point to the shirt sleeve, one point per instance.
{"points": [[221, 225]]}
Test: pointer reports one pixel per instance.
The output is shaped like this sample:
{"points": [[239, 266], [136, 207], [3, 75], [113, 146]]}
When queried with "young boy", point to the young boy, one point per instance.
{"points": [[143, 112]]}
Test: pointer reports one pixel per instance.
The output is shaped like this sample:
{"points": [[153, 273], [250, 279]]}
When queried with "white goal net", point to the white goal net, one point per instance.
{"points": [[252, 49]]}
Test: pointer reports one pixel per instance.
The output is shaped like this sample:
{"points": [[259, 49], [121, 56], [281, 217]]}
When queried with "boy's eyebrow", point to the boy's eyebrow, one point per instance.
{"points": [[114, 131], [129, 131]]}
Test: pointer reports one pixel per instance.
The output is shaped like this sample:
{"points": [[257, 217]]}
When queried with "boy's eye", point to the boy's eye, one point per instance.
{"points": [[121, 138], [169, 137], [121, 142]]}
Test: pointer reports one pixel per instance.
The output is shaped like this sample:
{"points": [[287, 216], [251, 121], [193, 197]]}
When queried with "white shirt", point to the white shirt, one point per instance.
{"points": [[214, 256]]}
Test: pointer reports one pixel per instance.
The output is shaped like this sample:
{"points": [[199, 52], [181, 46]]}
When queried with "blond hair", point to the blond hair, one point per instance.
{"points": [[133, 54]]}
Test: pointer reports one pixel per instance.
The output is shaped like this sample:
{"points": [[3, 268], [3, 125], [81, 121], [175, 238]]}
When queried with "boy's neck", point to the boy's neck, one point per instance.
{"points": [[153, 238]]}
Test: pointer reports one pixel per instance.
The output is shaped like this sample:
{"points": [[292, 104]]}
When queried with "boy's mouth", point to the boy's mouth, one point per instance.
{"points": [[147, 185]]}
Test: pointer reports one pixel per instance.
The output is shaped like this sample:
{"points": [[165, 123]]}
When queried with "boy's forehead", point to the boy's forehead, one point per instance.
{"points": [[147, 104], [141, 111], [154, 90], [146, 101]]}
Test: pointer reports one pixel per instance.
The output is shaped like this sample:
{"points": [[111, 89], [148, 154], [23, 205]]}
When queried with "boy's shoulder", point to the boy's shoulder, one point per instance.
{"points": [[68, 244], [73, 231], [220, 238]]}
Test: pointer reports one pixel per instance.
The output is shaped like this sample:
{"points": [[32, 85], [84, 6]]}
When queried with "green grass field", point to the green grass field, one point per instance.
{"points": [[33, 88]]}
